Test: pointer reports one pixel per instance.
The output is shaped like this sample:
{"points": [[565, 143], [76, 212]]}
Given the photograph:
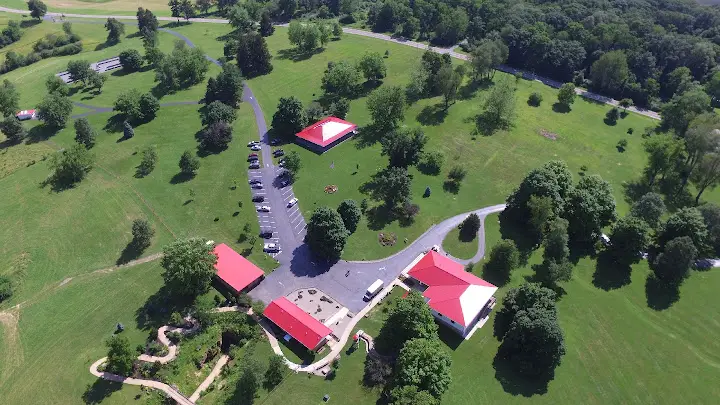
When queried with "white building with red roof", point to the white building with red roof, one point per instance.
{"points": [[456, 298], [324, 134], [234, 271]]}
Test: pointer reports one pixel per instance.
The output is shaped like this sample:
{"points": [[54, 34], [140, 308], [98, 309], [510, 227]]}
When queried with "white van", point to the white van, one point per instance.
{"points": [[373, 289]]}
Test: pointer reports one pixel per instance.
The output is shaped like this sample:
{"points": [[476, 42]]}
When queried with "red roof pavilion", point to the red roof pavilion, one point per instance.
{"points": [[234, 270], [297, 323], [452, 291], [326, 131]]}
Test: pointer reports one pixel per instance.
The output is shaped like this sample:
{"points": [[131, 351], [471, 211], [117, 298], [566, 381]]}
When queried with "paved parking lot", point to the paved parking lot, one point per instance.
{"points": [[297, 221]]}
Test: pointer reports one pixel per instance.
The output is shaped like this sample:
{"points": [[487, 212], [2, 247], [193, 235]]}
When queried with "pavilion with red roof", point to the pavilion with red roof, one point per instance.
{"points": [[324, 134], [234, 271], [297, 323], [456, 298]]}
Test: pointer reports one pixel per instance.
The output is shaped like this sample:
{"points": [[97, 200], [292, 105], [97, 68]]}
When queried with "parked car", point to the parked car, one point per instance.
{"points": [[281, 164], [258, 198], [292, 202], [284, 183], [255, 147], [271, 248], [252, 143], [254, 181], [253, 154], [263, 208], [257, 185], [253, 159], [266, 234], [254, 165], [278, 152]]}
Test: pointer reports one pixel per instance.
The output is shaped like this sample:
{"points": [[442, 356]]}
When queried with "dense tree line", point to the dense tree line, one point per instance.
{"points": [[67, 43]]}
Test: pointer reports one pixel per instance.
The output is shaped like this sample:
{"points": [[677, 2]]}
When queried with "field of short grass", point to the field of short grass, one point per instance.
{"points": [[459, 247], [96, 7]]}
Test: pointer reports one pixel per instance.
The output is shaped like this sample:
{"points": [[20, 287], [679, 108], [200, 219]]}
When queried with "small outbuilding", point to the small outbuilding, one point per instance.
{"points": [[25, 115], [325, 134], [235, 272], [297, 323]]}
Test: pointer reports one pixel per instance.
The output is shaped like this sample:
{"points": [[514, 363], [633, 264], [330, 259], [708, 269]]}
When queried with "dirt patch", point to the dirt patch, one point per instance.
{"points": [[67, 280], [11, 354], [549, 135], [131, 263]]}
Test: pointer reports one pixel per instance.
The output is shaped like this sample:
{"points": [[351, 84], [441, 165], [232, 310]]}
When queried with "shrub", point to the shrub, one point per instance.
{"points": [[457, 173], [148, 162], [189, 163], [6, 288], [131, 60], [432, 162], [535, 99], [176, 319], [216, 137], [622, 144]]}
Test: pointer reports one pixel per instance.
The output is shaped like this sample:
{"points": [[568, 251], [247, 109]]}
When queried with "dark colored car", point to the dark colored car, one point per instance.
{"points": [[278, 152], [254, 181], [266, 234], [258, 198], [253, 159]]}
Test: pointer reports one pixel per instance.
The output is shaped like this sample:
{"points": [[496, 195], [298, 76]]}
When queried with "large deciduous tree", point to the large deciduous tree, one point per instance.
{"points": [[682, 108], [182, 68], [403, 146], [409, 319], [590, 207], [650, 208], [629, 238], [147, 23], [486, 57], [120, 357], [449, 81], [70, 166], [79, 70], [503, 259], [293, 164], [216, 137], [253, 56], [411, 395], [392, 186], [566, 94], [350, 213], [9, 99], [326, 234], [217, 111], [341, 79], [227, 87], [372, 66], [685, 222], [499, 107], [189, 266], [115, 30], [142, 233], [673, 265], [131, 60], [37, 9], [289, 118], [189, 163], [556, 266], [55, 110], [610, 72], [84, 133], [387, 106], [424, 363], [13, 129]]}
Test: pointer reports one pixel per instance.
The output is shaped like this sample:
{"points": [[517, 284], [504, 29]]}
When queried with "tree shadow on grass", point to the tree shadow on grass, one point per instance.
{"points": [[180, 178], [40, 133], [610, 274], [634, 190], [561, 108], [379, 217], [131, 252], [156, 310], [450, 186], [369, 135], [297, 55], [494, 276], [487, 125], [432, 115], [517, 384], [114, 124], [525, 241], [99, 391], [659, 294], [469, 90]]}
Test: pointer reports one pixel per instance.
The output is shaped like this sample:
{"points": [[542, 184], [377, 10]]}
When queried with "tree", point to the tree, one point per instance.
{"points": [[682, 108], [650, 208], [470, 227], [142, 233], [147, 23], [626, 103], [128, 131], [424, 363], [240, 19], [148, 162], [290, 117], [13, 130], [128, 104], [504, 258], [449, 81], [293, 164], [325, 33], [249, 382], [528, 295], [663, 152], [629, 238], [500, 106], [387, 106], [673, 265], [6, 288], [276, 370], [217, 111], [216, 137], [56, 85], [9, 99], [204, 5], [115, 30], [37, 9], [70, 166], [711, 215], [339, 108], [687, 222], [376, 372], [409, 319], [712, 87], [410, 395], [555, 266], [553, 180], [372, 66], [451, 26], [541, 211], [187, 10], [678, 81], [566, 94], [120, 357], [590, 207], [189, 266], [182, 68], [432, 162], [315, 112], [266, 26], [79, 70], [486, 57], [610, 72], [84, 133], [189, 163], [174, 8], [341, 79], [337, 30], [131, 60], [392, 186], [55, 110], [350, 213], [404, 146], [326, 234], [305, 36], [96, 80], [707, 174], [253, 56]]}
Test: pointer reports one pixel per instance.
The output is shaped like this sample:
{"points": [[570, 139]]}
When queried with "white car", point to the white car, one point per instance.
{"points": [[271, 248], [263, 208], [256, 147], [253, 143], [292, 202]]}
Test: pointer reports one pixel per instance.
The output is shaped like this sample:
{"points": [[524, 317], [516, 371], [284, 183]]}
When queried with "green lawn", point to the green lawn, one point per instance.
{"points": [[459, 248]]}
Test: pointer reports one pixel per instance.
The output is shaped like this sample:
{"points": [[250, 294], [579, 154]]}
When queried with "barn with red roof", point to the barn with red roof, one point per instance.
{"points": [[297, 323], [234, 271], [324, 134], [456, 298]]}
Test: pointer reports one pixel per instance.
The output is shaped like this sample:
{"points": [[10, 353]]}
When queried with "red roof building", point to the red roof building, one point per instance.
{"points": [[297, 323], [326, 133], [234, 271], [457, 298]]}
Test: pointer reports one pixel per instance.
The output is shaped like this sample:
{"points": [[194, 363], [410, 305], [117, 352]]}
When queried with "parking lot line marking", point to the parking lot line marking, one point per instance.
{"points": [[298, 224], [287, 190], [293, 212]]}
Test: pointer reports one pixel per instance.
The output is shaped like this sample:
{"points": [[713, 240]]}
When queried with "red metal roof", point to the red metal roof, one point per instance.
{"points": [[296, 322], [237, 271], [326, 131], [448, 283]]}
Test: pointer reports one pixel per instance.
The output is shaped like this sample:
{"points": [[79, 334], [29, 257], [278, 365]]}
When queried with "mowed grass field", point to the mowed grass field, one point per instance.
{"points": [[96, 7]]}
